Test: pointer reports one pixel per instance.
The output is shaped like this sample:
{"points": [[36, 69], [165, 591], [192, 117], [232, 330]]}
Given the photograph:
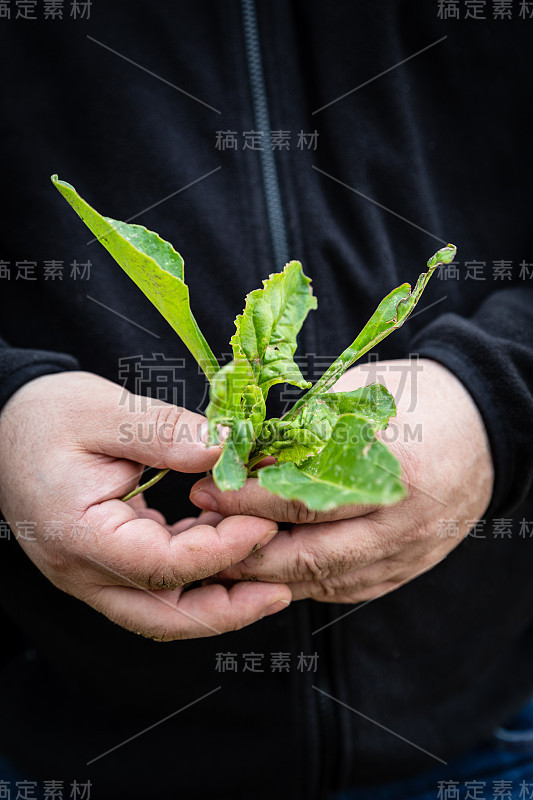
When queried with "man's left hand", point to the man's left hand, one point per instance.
{"points": [[358, 553]]}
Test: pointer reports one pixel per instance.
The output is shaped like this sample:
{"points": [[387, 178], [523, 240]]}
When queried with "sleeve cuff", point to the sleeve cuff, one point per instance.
{"points": [[18, 366]]}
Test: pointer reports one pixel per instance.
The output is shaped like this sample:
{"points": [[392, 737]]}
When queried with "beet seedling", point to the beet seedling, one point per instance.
{"points": [[326, 451]]}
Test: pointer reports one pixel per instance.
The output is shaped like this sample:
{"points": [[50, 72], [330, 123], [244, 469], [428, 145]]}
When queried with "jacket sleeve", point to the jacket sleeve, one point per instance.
{"points": [[20, 365], [491, 352]]}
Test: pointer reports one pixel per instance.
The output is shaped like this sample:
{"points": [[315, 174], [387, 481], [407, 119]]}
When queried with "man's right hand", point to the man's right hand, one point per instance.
{"points": [[71, 445]]}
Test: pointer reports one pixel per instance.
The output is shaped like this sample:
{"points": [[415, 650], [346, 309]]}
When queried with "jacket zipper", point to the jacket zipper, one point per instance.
{"points": [[327, 755], [276, 221]]}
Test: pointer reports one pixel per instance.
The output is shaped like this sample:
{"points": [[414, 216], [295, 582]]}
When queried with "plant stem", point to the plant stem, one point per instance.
{"points": [[252, 463], [146, 485]]}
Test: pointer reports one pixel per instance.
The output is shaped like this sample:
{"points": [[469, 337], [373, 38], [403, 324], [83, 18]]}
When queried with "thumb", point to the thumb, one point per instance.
{"points": [[148, 431]]}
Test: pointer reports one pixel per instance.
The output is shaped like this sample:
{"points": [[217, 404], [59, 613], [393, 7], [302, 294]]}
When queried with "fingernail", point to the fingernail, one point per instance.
{"points": [[275, 607], [205, 437], [266, 536], [204, 500], [223, 433]]}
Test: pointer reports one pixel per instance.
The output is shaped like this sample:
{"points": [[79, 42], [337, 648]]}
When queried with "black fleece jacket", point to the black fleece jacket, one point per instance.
{"points": [[436, 149]]}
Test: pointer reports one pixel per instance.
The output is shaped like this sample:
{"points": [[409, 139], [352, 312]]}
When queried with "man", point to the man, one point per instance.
{"points": [[405, 130]]}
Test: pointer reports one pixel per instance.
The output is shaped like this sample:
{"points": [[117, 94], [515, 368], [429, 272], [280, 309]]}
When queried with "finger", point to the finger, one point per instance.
{"points": [[183, 525], [311, 591], [252, 499], [200, 612], [125, 549], [365, 583], [205, 518], [210, 517], [145, 430], [353, 586], [139, 504], [315, 552]]}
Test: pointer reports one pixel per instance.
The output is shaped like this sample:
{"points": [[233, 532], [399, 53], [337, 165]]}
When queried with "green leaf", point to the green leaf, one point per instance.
{"points": [[239, 405], [266, 331], [306, 434], [230, 470], [225, 395], [389, 315], [287, 442], [253, 407], [353, 468], [154, 266], [326, 451], [374, 402]]}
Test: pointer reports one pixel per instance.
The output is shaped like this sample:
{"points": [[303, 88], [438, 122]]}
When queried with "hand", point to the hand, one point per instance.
{"points": [[71, 444], [359, 553]]}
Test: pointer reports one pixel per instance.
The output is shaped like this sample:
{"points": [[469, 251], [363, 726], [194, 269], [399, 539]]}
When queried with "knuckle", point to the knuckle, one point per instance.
{"points": [[236, 505], [418, 534], [165, 576], [168, 423], [309, 567], [416, 531], [159, 580], [239, 504], [299, 514], [324, 591]]}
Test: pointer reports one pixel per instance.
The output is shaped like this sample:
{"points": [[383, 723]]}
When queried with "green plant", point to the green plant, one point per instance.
{"points": [[325, 447]]}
